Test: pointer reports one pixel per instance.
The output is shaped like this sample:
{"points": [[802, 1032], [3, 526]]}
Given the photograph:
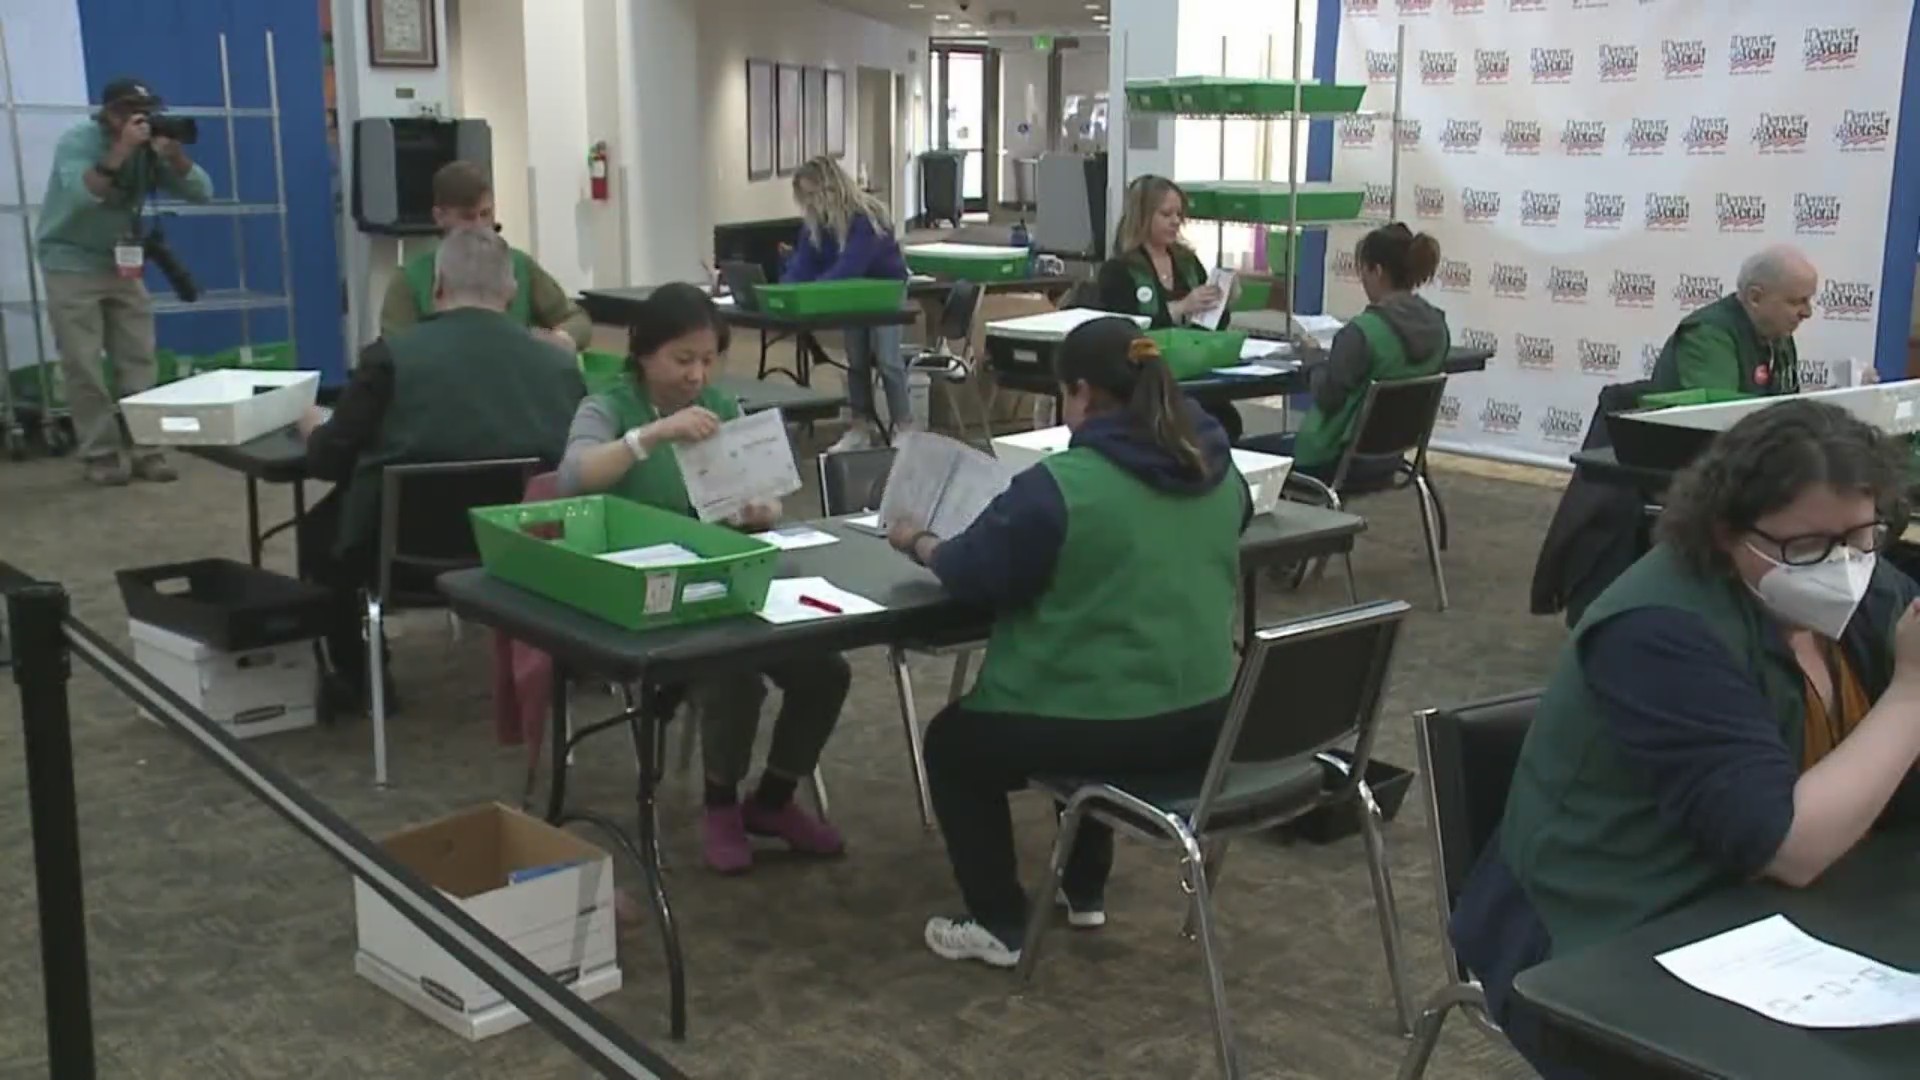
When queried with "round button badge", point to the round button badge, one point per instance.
{"points": [[1143, 294]]}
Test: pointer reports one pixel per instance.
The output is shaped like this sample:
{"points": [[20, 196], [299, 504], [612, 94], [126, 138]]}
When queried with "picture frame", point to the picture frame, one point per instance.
{"points": [[402, 33], [787, 105], [837, 113], [760, 119], [813, 125]]}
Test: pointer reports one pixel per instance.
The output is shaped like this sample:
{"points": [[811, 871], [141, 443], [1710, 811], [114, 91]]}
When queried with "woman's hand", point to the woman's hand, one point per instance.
{"points": [[1195, 302], [759, 515], [913, 540], [691, 424], [1906, 646]]}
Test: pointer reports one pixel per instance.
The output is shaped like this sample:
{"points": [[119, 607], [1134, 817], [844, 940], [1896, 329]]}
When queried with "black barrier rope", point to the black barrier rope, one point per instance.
{"points": [[43, 631]]}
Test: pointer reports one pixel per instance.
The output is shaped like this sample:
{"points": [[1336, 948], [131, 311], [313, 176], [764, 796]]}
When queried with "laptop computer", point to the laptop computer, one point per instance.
{"points": [[741, 278]]}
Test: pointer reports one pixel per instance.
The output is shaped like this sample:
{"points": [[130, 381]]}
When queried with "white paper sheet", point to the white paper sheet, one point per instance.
{"points": [[1222, 279], [653, 555], [805, 599], [865, 521], [1255, 370], [1320, 328], [940, 484], [1257, 348], [1783, 973], [795, 537], [747, 459]]}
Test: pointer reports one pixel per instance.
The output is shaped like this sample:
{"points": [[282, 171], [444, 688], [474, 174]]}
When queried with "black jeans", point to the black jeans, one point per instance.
{"points": [[344, 576], [975, 758], [812, 690]]}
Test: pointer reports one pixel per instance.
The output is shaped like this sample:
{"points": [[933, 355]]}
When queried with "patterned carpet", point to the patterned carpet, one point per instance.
{"points": [[222, 941]]}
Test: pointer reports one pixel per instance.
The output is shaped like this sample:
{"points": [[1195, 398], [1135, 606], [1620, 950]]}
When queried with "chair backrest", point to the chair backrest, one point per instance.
{"points": [[1305, 686], [424, 528], [742, 279], [1395, 422], [1468, 756], [956, 319], [1619, 397], [853, 481]]}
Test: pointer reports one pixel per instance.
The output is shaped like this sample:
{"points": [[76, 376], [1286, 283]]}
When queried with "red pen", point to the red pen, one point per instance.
{"points": [[808, 601]]}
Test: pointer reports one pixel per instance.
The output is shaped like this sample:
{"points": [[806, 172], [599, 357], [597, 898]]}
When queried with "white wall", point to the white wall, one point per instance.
{"points": [[604, 242], [555, 78], [49, 68], [493, 47], [663, 144], [1023, 100]]}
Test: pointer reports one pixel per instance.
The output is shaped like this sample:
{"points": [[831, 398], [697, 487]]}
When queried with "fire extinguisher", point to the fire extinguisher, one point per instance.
{"points": [[597, 170]]}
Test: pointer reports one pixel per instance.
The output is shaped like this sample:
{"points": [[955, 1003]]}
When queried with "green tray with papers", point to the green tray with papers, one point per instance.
{"points": [[1192, 353], [848, 296]]}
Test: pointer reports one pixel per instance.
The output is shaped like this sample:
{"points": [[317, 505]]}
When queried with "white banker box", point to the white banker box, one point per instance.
{"points": [[1266, 474], [250, 693], [219, 408], [544, 891]]}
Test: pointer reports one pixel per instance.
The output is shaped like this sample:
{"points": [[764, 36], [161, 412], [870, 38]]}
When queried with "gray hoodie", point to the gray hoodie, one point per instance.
{"points": [[1421, 327]]}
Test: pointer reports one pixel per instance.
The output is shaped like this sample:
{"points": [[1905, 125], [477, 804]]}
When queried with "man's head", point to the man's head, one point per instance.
{"points": [[462, 196], [1776, 286], [122, 100], [473, 268]]}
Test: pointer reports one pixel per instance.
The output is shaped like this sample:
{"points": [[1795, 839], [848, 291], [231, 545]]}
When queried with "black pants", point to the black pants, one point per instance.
{"points": [[975, 758], [344, 576]]}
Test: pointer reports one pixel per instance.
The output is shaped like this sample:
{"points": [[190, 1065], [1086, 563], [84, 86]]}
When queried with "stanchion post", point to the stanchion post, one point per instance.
{"points": [[41, 668]]}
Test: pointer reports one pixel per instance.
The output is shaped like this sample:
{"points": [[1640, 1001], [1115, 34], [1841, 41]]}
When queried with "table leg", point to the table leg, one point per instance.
{"points": [[650, 736], [559, 745], [764, 345], [1249, 601], [254, 539]]}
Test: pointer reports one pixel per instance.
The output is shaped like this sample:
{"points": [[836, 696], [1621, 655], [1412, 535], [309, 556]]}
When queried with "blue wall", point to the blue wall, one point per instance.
{"points": [[1903, 222], [173, 46]]}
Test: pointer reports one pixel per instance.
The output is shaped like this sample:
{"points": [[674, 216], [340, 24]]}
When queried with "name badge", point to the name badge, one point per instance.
{"points": [[128, 259], [1143, 294]]}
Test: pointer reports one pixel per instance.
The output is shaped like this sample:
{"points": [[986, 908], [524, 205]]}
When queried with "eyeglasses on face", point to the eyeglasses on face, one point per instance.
{"points": [[1809, 548]]}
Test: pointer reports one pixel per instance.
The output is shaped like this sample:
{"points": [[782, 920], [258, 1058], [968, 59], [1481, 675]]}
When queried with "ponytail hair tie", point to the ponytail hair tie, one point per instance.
{"points": [[1141, 350]]}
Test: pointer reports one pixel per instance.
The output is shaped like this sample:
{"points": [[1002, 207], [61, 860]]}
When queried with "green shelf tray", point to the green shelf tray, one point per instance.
{"points": [[995, 266], [1266, 203], [852, 296], [1149, 96], [1274, 97], [1192, 353]]}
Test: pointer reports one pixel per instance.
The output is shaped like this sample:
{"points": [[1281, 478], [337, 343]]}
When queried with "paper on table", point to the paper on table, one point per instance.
{"points": [[1783, 973], [795, 537], [787, 601], [940, 484], [865, 521], [1255, 348], [1256, 370], [747, 459], [1222, 279], [653, 555]]}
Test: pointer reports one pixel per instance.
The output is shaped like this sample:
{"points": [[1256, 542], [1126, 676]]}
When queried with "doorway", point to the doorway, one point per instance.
{"points": [[873, 104], [960, 78]]}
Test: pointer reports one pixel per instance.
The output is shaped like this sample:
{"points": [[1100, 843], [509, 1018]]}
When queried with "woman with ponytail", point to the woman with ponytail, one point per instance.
{"points": [[1111, 568], [1398, 336]]}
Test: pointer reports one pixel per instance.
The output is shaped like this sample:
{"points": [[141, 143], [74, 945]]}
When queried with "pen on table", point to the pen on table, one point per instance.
{"points": [[808, 601]]}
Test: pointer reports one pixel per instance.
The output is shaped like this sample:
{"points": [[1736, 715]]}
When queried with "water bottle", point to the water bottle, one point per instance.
{"points": [[1024, 239]]}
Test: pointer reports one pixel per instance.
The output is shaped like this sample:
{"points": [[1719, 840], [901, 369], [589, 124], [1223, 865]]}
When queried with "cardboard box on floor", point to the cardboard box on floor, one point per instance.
{"points": [[1012, 409], [543, 890]]}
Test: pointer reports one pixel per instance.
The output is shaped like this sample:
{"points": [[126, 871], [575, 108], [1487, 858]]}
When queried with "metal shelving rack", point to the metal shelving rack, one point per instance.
{"points": [[243, 298]]}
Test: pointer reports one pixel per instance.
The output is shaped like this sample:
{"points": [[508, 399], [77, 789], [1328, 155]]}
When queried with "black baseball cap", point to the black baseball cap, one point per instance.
{"points": [[129, 91]]}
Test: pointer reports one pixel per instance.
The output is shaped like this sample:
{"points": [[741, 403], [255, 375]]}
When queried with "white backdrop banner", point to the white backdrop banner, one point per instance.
{"points": [[1595, 169]]}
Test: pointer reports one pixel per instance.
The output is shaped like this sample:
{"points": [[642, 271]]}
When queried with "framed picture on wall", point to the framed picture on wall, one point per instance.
{"points": [[759, 119], [814, 126], [402, 33], [787, 125], [837, 113]]}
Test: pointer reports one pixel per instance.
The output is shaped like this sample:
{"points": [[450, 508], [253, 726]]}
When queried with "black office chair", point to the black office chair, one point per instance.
{"points": [[1388, 452], [1305, 686], [1468, 755], [950, 357], [423, 535]]}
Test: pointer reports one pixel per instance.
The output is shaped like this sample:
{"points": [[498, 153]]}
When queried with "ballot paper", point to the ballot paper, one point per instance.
{"points": [[1783, 973], [795, 537], [1257, 371], [1222, 279], [653, 555], [1320, 328], [940, 484], [804, 599], [747, 459]]}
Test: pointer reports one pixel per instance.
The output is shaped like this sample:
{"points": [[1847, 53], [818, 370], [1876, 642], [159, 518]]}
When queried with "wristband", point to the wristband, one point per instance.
{"points": [[634, 446]]}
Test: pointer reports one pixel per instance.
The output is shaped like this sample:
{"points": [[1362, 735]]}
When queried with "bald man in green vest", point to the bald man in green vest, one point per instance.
{"points": [[463, 198], [1743, 342]]}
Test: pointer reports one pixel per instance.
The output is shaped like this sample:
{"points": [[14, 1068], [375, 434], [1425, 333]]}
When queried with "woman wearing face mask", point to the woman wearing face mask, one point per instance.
{"points": [[622, 443], [1743, 702]]}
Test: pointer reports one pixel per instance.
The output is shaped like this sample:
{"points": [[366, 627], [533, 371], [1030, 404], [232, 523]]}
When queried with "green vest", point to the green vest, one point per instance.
{"points": [[1188, 274], [1138, 619], [1324, 438], [419, 274], [1583, 831], [468, 385], [1780, 360], [656, 481]]}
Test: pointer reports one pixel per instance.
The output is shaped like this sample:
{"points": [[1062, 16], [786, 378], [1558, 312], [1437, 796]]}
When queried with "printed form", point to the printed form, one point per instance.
{"points": [[747, 459], [1784, 973], [940, 484]]}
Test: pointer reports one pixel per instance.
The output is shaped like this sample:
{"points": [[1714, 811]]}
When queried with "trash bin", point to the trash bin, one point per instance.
{"points": [[940, 186], [1026, 181]]}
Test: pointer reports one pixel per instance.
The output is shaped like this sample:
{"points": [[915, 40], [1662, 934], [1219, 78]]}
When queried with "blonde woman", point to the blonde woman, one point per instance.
{"points": [[848, 233]]}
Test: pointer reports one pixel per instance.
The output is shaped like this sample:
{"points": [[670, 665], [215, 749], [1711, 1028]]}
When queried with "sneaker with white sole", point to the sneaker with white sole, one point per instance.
{"points": [[964, 939], [1084, 917], [857, 437]]}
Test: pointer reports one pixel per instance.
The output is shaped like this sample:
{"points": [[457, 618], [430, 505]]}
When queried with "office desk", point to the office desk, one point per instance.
{"points": [[916, 609], [1612, 1010], [1038, 377]]}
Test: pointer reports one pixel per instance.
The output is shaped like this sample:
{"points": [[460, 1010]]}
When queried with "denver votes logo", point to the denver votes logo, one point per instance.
{"points": [[1378, 199], [1526, 5], [1584, 138], [1863, 129], [1563, 426], [1605, 210], [1685, 59], [1345, 267], [1815, 374], [1429, 202], [1478, 206], [1619, 63], [1697, 290], [1492, 66], [1449, 410], [1566, 285], [1540, 208], [1356, 132], [1454, 275], [1830, 48], [1364, 9], [1816, 214], [1649, 356], [1521, 137], [1509, 281], [1535, 353], [1633, 289], [1782, 133], [1646, 135], [1408, 132], [1668, 213], [1751, 54], [1475, 340], [1438, 67], [1552, 65], [1460, 137], [1740, 213], [1598, 357], [1846, 301], [1414, 7], [1706, 135], [1382, 65], [1500, 417], [1468, 7]]}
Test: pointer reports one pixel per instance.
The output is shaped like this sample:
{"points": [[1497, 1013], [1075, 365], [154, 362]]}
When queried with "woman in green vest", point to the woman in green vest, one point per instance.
{"points": [[1399, 336], [1111, 569], [1744, 702], [622, 443]]}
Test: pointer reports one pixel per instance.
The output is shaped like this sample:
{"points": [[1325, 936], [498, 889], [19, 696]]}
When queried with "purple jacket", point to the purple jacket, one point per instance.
{"points": [[868, 253]]}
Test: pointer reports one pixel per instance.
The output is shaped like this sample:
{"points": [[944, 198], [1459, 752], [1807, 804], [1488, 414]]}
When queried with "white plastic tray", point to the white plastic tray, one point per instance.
{"points": [[219, 408], [965, 251], [1053, 325]]}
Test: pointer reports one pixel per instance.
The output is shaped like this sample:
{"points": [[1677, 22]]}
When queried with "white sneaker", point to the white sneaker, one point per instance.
{"points": [[857, 437], [964, 939], [1090, 919]]}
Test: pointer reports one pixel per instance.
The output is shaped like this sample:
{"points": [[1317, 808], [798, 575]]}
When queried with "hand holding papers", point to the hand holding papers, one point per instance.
{"points": [[940, 484], [747, 459], [1222, 279], [1783, 973]]}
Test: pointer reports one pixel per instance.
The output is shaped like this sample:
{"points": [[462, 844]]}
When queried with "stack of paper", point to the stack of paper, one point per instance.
{"points": [[795, 537], [1783, 973], [1222, 279], [803, 599], [748, 459], [653, 555], [940, 484]]}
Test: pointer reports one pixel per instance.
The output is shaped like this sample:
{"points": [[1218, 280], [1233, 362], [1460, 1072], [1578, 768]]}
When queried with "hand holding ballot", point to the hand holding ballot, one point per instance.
{"points": [[940, 484], [741, 470]]}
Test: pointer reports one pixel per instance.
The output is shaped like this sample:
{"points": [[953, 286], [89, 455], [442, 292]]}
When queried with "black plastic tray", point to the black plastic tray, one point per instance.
{"points": [[1390, 784], [229, 605]]}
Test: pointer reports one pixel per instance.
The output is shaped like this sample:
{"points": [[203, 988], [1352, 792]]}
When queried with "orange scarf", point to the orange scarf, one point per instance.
{"points": [[1825, 728]]}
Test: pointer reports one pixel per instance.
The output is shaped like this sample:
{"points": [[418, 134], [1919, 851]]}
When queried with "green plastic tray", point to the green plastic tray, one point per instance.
{"points": [[1675, 398], [1203, 199], [271, 356], [602, 371], [1192, 353], [1149, 96], [852, 296], [1255, 293], [1199, 93], [1274, 97], [969, 267], [552, 548], [1266, 203], [1283, 250]]}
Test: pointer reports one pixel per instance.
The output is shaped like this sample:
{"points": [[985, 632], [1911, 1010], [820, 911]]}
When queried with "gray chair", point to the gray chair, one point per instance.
{"points": [[950, 357], [1305, 686], [425, 534], [853, 482], [1468, 756]]}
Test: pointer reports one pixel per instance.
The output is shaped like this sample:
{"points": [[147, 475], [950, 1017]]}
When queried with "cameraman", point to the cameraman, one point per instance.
{"points": [[91, 257]]}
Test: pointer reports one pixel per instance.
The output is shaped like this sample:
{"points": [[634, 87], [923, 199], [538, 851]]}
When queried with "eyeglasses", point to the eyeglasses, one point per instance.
{"points": [[1810, 548]]}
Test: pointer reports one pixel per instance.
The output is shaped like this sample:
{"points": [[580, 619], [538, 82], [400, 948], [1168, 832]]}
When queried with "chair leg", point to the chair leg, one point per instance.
{"points": [[957, 685], [377, 686], [1215, 852], [1431, 528], [1383, 905], [1353, 587], [1040, 904], [820, 794], [454, 626], [1426, 1032], [903, 684], [1439, 510], [1196, 877], [689, 737]]}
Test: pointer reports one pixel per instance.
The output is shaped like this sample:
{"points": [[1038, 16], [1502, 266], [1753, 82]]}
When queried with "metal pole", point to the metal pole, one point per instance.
{"points": [[280, 188], [1220, 172], [237, 221], [41, 669], [1399, 86], [26, 237], [1293, 176]]}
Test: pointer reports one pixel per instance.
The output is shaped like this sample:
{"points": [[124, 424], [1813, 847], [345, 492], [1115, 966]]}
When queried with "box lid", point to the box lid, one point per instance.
{"points": [[1053, 325]]}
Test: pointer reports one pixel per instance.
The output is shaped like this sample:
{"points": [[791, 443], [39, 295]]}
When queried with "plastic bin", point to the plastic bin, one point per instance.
{"points": [[1267, 203], [1149, 96], [553, 548], [1674, 398], [229, 605], [968, 262], [1192, 353], [219, 408], [940, 174], [1203, 198], [602, 371], [1283, 250], [1389, 783], [1274, 97], [851, 296], [1198, 94]]}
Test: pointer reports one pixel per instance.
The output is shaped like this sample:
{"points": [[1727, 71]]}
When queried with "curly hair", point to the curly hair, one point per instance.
{"points": [[1765, 461]]}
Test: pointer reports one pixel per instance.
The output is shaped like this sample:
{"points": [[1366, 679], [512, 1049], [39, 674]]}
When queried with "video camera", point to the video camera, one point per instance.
{"points": [[181, 129]]}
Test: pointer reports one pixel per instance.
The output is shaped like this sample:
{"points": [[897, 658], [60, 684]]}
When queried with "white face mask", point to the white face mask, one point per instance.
{"points": [[1821, 596]]}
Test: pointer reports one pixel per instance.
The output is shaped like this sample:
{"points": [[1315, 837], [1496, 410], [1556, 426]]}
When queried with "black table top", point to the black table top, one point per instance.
{"points": [[767, 320], [1602, 466], [916, 607], [1612, 1003], [1038, 378]]}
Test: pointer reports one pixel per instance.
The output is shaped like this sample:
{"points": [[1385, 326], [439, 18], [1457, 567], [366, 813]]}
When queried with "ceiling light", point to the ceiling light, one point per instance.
{"points": [[1093, 7], [916, 7], [941, 16], [963, 26], [1099, 18]]}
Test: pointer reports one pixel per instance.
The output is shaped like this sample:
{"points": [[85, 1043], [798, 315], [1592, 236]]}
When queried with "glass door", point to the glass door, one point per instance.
{"points": [[960, 115]]}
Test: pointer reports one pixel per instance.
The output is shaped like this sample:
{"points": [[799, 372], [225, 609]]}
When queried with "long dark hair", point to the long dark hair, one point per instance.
{"points": [[1765, 461], [669, 313], [1408, 259], [1114, 357]]}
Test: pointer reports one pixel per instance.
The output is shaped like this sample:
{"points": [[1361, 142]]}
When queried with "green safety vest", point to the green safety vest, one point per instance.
{"points": [[1766, 367], [657, 481], [1188, 274], [1138, 617], [419, 274], [1324, 438]]}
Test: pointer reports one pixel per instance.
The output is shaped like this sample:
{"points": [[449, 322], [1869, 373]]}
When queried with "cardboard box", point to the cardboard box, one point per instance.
{"points": [[250, 693], [544, 891], [1266, 474]]}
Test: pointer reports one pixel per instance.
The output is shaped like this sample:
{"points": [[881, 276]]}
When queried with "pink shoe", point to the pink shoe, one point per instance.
{"points": [[802, 831], [725, 840]]}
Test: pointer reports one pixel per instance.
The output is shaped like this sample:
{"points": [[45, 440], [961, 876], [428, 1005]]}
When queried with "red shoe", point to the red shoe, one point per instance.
{"points": [[802, 831], [724, 839]]}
